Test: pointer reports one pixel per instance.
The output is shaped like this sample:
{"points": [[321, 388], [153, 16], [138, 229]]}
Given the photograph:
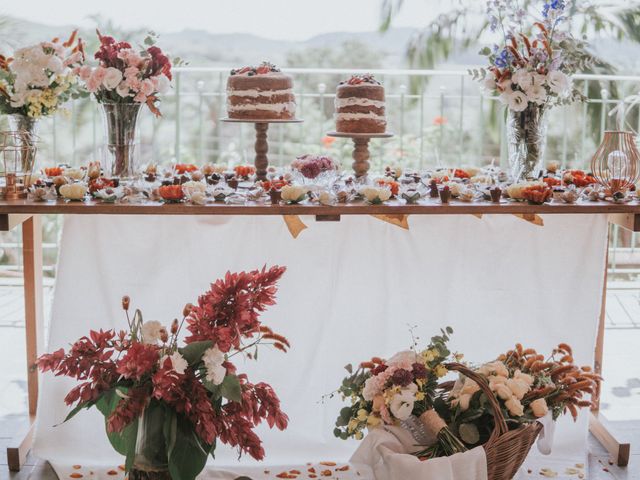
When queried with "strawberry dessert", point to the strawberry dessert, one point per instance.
{"points": [[360, 106], [260, 93]]}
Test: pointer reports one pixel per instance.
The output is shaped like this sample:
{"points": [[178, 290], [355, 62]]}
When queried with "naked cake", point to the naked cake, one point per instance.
{"points": [[360, 106], [263, 93]]}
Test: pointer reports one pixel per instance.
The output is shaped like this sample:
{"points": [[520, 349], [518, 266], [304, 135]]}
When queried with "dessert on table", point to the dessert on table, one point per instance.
{"points": [[360, 105], [262, 93]]}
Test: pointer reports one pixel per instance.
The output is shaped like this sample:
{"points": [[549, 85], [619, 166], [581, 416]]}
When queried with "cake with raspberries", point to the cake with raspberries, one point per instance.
{"points": [[262, 93], [360, 106]]}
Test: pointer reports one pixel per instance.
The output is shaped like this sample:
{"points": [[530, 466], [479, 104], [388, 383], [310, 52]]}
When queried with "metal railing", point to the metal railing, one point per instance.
{"points": [[440, 117]]}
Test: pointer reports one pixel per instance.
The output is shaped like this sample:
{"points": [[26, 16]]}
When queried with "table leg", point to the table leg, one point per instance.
{"points": [[262, 148], [619, 452], [32, 262]]}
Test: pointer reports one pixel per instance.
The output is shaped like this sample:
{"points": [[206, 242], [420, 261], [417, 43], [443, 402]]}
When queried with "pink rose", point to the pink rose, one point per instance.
{"points": [[161, 84], [131, 72], [84, 73], [140, 97], [93, 84], [99, 74], [133, 83]]}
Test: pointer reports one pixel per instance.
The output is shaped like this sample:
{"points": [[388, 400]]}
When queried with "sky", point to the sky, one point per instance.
{"points": [[276, 19]]}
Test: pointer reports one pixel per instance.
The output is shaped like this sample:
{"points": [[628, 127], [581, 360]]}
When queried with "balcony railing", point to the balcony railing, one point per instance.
{"points": [[440, 118]]}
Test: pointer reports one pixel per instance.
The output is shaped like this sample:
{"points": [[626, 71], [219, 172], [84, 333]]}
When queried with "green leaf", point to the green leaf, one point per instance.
{"points": [[469, 433], [193, 352], [215, 390], [349, 368], [123, 442], [485, 51], [186, 451], [79, 407], [231, 389]]}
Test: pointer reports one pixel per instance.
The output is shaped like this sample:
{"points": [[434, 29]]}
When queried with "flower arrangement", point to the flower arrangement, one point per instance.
{"points": [[39, 79], [389, 392], [311, 166], [192, 396], [532, 64], [528, 386], [126, 75]]}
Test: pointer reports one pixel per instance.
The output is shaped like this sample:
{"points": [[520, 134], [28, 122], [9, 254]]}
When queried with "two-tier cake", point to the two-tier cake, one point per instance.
{"points": [[360, 106], [263, 93]]}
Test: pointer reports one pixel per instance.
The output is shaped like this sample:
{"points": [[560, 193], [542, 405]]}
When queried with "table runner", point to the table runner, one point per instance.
{"points": [[351, 291]]}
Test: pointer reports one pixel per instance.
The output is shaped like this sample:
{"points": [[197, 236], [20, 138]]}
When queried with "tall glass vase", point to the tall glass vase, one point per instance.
{"points": [[28, 125], [120, 120], [151, 460], [527, 141]]}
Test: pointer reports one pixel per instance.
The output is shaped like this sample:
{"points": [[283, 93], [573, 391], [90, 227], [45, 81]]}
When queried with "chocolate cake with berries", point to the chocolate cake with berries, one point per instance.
{"points": [[360, 106], [262, 92]]}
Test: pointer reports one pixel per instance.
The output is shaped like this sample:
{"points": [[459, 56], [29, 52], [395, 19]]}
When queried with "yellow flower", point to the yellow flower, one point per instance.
{"points": [[362, 415], [420, 396], [429, 355], [440, 371], [359, 436]]}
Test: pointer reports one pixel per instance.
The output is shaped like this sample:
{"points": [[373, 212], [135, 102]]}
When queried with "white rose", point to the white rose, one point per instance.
{"points": [[178, 363], [402, 404], [112, 78], [151, 332], [375, 194], [523, 78], [518, 387], [489, 83], [55, 64], [558, 82], [213, 359], [514, 406], [536, 94], [539, 407], [516, 100], [191, 187], [73, 191], [123, 90]]}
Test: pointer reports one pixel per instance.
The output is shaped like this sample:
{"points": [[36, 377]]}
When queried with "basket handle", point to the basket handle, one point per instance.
{"points": [[500, 426]]}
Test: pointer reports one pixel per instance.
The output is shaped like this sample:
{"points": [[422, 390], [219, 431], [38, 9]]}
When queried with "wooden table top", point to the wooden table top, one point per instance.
{"points": [[395, 207]]}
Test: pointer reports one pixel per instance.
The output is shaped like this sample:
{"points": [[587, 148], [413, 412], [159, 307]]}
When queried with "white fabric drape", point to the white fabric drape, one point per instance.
{"points": [[351, 291]]}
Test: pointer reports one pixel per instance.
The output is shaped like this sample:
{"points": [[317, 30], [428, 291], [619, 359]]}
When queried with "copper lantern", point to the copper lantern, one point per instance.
{"points": [[615, 164], [17, 158]]}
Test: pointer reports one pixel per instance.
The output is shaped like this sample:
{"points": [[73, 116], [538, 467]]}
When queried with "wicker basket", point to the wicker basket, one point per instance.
{"points": [[505, 450]]}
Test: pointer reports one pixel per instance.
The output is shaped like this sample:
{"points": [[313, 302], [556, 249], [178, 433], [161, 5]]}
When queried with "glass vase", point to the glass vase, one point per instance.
{"points": [[120, 120], [151, 459], [26, 143], [527, 141]]}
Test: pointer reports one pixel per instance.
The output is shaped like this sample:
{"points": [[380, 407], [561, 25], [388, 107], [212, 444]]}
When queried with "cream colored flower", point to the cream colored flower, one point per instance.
{"points": [[495, 380], [294, 193], [470, 387], [514, 406], [178, 363], [198, 198], [528, 379], [518, 387], [151, 332], [559, 83], [455, 188], [539, 407], [402, 404], [375, 194], [73, 191], [213, 360], [503, 392], [494, 368], [516, 190], [191, 187], [373, 421], [440, 371]]}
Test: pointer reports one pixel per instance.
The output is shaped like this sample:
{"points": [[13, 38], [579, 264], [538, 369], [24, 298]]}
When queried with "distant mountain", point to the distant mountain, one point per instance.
{"points": [[202, 48]]}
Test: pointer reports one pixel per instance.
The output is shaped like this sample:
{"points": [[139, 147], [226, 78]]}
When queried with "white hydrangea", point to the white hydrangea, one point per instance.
{"points": [[213, 359]]}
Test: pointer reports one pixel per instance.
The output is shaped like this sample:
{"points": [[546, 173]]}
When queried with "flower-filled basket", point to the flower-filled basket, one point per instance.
{"points": [[506, 449]]}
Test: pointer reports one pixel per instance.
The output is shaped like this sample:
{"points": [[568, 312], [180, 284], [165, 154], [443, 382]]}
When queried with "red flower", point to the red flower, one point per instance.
{"points": [[128, 409], [139, 360], [171, 193], [402, 377], [231, 308]]}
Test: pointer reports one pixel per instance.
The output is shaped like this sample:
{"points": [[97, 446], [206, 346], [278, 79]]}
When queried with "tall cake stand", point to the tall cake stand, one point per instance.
{"points": [[262, 145], [361, 153]]}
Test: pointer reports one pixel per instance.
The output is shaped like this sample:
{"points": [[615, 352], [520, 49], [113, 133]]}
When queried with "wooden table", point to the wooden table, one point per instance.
{"points": [[26, 214]]}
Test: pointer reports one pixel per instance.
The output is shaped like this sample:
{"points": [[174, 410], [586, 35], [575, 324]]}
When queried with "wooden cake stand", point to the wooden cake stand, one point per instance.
{"points": [[361, 153], [262, 145]]}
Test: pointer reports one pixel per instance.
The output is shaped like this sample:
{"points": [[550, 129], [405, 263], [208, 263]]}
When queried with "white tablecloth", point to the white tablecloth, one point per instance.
{"points": [[350, 292]]}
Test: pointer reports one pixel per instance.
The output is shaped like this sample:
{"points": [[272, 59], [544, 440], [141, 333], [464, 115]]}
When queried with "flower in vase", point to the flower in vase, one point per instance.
{"points": [[73, 191], [294, 193], [515, 100], [559, 83], [151, 332], [176, 362], [139, 360], [112, 78]]}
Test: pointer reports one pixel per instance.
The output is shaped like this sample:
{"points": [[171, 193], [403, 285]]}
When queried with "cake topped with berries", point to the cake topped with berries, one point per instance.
{"points": [[263, 93], [360, 106]]}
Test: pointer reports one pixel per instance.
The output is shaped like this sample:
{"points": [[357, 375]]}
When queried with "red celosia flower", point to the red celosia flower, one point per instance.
{"points": [[139, 360], [419, 371], [401, 377], [230, 309]]}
